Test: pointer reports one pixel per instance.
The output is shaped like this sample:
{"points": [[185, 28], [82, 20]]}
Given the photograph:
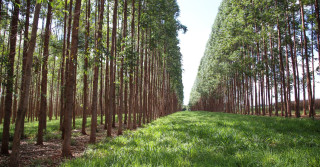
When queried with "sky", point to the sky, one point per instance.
{"points": [[199, 17]]}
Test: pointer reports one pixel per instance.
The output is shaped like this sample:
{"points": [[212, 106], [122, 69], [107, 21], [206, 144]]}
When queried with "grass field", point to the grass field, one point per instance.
{"points": [[211, 139]]}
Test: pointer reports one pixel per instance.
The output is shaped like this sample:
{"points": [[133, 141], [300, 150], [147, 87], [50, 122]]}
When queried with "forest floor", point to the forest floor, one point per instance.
{"points": [[210, 139], [49, 154]]}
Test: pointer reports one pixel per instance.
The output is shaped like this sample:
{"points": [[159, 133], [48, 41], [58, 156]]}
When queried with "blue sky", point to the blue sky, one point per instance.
{"points": [[199, 17]]}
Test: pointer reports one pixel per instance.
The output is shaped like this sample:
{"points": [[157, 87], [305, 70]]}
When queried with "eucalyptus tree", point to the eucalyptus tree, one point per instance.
{"points": [[25, 87], [96, 73], [305, 45], [70, 81], [10, 77], [44, 82], [142, 65], [244, 53], [112, 69], [85, 70]]}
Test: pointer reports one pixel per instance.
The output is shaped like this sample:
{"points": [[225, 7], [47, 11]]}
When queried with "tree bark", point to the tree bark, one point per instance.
{"points": [[310, 98], [316, 4], [274, 77], [10, 77], [293, 57], [121, 101], [96, 75], [107, 84], [85, 71], [43, 104], [25, 87], [284, 91], [112, 71], [66, 152]]}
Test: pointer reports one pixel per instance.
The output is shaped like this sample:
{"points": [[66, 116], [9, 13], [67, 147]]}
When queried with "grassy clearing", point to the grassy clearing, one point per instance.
{"points": [[211, 139]]}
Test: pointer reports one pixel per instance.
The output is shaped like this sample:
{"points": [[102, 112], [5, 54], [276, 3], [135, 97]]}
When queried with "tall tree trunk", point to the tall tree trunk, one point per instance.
{"points": [[101, 91], [124, 35], [25, 87], [313, 76], [284, 91], [2, 88], [107, 84], [15, 102], [51, 89], [310, 98], [66, 152], [303, 79], [316, 4], [10, 77], [96, 76], [267, 74], [85, 71], [134, 104], [112, 71], [274, 76], [63, 64], [288, 82], [293, 55], [137, 104], [43, 104]]}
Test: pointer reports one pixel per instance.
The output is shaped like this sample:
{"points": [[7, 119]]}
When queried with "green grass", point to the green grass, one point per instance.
{"points": [[211, 139]]}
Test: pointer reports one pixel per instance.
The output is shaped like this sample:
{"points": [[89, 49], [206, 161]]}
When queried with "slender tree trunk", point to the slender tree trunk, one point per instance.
{"points": [[267, 74], [288, 82], [101, 92], [51, 89], [293, 55], [316, 4], [134, 104], [112, 71], [107, 84], [96, 76], [10, 77], [66, 151], [145, 82], [274, 76], [284, 91], [124, 34], [138, 109], [15, 102], [313, 76], [85, 71], [303, 79], [64, 65], [310, 99], [2, 88], [25, 87], [43, 104]]}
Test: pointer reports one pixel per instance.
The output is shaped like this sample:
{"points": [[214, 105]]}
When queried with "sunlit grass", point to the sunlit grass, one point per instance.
{"points": [[211, 139]]}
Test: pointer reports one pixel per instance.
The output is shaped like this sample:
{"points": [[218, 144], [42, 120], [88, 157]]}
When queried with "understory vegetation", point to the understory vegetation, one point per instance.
{"points": [[210, 139]]}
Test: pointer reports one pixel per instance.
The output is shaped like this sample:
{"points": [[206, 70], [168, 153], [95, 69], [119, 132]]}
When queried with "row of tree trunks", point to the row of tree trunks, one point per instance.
{"points": [[277, 82], [139, 83]]}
